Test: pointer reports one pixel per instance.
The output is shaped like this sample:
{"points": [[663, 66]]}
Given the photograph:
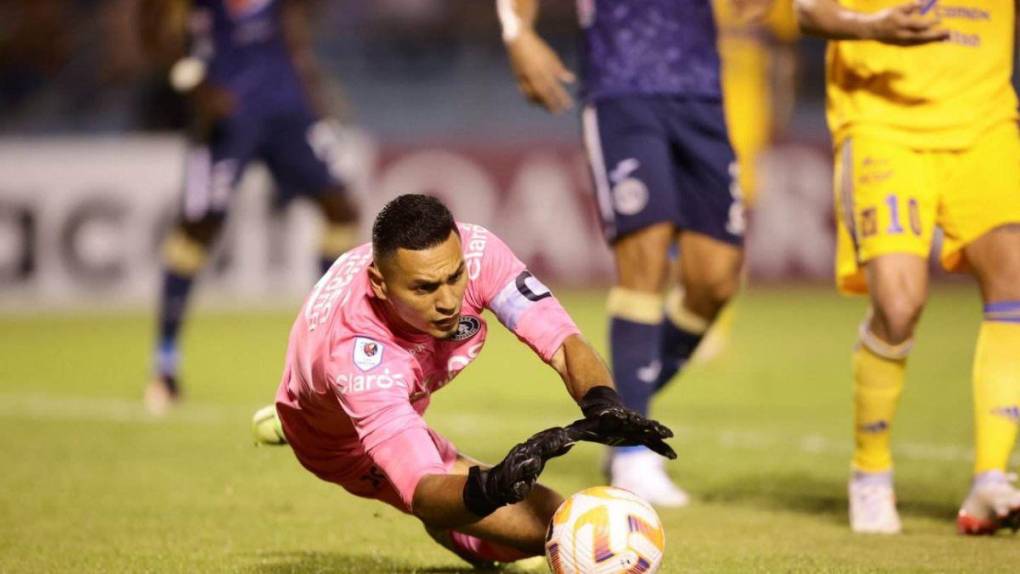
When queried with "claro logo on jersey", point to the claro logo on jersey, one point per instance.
{"points": [[367, 353], [349, 383], [475, 250]]}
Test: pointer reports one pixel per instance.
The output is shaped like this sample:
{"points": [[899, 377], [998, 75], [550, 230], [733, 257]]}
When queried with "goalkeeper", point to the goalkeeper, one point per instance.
{"points": [[394, 321]]}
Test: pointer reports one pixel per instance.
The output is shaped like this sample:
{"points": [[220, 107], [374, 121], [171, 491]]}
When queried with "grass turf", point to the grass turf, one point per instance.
{"points": [[91, 483]]}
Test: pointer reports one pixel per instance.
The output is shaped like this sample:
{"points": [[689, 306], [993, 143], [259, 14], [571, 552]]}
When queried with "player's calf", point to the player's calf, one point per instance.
{"points": [[185, 253]]}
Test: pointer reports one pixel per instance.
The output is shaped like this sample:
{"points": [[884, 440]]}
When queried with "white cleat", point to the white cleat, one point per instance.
{"points": [[643, 473], [266, 427], [993, 503], [873, 503], [161, 396]]}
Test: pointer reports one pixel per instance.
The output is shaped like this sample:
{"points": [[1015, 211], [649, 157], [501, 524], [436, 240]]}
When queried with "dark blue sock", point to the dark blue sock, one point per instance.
{"points": [[172, 305], [676, 346], [634, 348]]}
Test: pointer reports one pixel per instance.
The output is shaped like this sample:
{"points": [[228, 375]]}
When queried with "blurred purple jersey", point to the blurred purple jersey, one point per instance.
{"points": [[242, 42], [635, 47]]}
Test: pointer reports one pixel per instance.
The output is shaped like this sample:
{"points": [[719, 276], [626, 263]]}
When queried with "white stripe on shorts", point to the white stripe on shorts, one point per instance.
{"points": [[593, 145]]}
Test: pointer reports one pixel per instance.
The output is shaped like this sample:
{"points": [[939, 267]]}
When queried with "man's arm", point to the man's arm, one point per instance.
{"points": [[163, 25], [908, 24], [580, 367], [541, 75], [606, 419], [450, 500]]}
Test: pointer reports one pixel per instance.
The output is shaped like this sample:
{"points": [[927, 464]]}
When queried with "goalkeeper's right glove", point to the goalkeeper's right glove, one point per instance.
{"points": [[511, 480]]}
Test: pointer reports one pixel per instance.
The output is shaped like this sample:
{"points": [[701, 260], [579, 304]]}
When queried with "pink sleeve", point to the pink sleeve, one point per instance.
{"points": [[405, 458], [371, 379], [520, 301]]}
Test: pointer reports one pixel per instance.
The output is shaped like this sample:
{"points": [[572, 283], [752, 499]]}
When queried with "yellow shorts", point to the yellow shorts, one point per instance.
{"points": [[889, 198]]}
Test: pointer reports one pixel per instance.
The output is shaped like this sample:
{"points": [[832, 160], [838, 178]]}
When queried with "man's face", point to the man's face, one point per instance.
{"points": [[425, 288]]}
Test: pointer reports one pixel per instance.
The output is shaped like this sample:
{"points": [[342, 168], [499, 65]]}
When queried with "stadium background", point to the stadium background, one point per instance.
{"points": [[90, 167]]}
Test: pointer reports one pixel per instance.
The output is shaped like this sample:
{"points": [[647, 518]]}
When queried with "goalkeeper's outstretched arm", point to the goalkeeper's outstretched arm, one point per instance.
{"points": [[606, 419], [580, 367]]}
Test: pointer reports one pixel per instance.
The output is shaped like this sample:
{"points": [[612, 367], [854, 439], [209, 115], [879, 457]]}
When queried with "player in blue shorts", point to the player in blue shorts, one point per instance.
{"points": [[249, 74], [665, 179]]}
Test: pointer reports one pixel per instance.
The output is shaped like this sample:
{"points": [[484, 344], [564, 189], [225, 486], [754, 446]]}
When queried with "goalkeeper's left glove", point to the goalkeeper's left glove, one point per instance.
{"points": [[607, 421]]}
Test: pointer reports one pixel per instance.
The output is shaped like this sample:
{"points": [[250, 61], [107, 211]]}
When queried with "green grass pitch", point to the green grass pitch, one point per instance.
{"points": [[89, 483]]}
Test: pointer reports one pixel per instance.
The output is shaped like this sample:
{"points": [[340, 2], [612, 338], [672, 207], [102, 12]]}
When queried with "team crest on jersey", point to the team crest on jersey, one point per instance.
{"points": [[367, 353], [467, 328]]}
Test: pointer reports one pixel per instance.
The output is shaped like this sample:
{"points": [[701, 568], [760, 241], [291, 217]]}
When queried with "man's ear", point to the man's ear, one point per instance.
{"points": [[376, 280]]}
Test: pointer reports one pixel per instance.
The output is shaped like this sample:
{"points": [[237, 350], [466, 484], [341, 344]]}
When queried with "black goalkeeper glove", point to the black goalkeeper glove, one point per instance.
{"points": [[511, 480], [607, 421]]}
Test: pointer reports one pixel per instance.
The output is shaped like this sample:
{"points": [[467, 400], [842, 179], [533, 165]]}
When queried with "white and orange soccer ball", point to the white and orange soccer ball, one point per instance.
{"points": [[605, 530]]}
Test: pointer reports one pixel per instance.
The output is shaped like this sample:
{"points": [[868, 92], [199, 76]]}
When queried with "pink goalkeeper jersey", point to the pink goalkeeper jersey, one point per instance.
{"points": [[353, 387]]}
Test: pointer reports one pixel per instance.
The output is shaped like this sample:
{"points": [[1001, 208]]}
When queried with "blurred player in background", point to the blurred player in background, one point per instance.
{"points": [[249, 73], [665, 178], [759, 65], [395, 320], [924, 123]]}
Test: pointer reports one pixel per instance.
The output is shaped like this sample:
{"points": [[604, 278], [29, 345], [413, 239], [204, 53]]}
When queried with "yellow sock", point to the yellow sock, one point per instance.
{"points": [[879, 371], [997, 387], [183, 255], [336, 239]]}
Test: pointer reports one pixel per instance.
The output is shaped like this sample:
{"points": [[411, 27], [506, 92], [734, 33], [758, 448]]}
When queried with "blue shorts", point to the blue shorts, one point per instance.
{"points": [[294, 145], [659, 159]]}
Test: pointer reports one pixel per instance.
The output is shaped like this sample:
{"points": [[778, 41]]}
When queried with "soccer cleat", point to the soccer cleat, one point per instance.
{"points": [[266, 427], [873, 503], [161, 395], [993, 504], [643, 473]]}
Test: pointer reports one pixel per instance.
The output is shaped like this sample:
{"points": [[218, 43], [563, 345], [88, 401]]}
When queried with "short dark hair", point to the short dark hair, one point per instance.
{"points": [[411, 221]]}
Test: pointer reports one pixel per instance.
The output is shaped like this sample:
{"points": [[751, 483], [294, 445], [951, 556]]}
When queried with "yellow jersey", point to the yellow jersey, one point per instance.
{"points": [[935, 96]]}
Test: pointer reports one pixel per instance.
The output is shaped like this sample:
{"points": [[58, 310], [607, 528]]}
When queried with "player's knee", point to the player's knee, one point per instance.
{"points": [[722, 289], [897, 316], [708, 295], [642, 258]]}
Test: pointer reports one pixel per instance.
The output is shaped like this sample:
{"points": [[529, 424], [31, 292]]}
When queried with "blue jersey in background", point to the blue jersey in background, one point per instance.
{"points": [[243, 45], [649, 47]]}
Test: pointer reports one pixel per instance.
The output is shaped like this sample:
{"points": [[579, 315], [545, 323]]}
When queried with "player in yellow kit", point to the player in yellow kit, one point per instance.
{"points": [[924, 124], [757, 80], [758, 65]]}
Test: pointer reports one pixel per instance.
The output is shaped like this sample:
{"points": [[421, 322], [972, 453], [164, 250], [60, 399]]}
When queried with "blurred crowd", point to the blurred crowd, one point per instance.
{"points": [[77, 65]]}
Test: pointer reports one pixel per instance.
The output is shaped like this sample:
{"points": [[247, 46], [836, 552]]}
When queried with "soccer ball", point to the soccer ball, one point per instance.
{"points": [[605, 530]]}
